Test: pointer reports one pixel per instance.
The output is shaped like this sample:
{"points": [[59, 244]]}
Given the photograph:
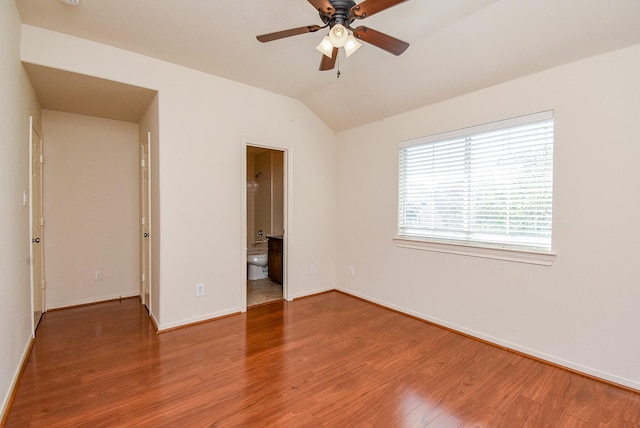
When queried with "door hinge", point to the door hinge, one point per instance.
{"points": [[142, 163], [143, 221], [43, 283], [143, 277], [41, 158], [42, 221]]}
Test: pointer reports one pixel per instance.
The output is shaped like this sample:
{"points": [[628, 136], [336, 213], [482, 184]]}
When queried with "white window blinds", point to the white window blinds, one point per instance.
{"points": [[491, 184]]}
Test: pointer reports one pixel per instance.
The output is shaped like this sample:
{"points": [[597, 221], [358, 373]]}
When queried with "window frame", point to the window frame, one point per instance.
{"points": [[499, 251]]}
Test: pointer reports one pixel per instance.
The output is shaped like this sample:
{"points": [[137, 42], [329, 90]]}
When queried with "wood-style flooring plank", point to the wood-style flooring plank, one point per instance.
{"points": [[328, 361]]}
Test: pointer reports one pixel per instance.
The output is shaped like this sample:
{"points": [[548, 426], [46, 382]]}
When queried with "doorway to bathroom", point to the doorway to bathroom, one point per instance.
{"points": [[266, 220]]}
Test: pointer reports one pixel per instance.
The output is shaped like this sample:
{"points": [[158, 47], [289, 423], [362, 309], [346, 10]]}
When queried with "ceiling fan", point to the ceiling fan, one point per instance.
{"points": [[338, 15]]}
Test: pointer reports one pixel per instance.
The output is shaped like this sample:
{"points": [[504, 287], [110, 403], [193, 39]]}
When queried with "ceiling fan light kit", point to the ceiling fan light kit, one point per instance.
{"points": [[338, 35], [351, 46], [325, 46], [338, 15]]}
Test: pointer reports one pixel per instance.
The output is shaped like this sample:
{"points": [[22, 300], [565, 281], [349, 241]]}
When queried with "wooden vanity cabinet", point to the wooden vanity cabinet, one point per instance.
{"points": [[276, 250]]}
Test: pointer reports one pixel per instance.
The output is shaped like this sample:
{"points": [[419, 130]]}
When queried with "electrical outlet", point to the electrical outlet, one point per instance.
{"points": [[199, 290], [352, 271], [98, 275]]}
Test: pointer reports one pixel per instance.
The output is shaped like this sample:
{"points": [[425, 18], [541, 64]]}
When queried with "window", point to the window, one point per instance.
{"points": [[489, 185]]}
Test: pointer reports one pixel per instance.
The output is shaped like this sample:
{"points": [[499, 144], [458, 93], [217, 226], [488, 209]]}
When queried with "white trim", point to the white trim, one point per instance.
{"points": [[100, 299], [476, 129], [287, 288], [34, 133], [13, 386], [31, 220], [313, 292], [155, 320], [149, 225], [146, 221], [198, 319], [543, 258], [243, 228]]}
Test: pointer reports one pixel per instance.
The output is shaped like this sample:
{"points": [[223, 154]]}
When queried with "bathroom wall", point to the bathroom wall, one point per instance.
{"points": [[265, 203]]}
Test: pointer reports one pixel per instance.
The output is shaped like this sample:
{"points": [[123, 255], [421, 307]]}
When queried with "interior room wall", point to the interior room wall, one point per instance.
{"points": [[91, 198], [17, 103], [583, 311], [204, 124]]}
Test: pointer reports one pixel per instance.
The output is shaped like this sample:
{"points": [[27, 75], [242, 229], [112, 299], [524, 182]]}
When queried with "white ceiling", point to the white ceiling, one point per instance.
{"points": [[456, 46]]}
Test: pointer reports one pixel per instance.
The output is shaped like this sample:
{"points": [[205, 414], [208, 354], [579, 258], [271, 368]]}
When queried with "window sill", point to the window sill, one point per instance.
{"points": [[543, 258]]}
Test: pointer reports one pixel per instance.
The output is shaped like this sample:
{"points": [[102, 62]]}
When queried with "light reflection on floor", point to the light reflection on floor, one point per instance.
{"points": [[418, 411]]}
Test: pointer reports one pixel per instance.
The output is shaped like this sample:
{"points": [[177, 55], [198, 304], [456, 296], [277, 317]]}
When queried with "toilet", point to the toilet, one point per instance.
{"points": [[256, 264]]}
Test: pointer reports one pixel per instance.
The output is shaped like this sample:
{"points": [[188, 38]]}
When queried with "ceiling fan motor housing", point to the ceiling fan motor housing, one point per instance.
{"points": [[341, 15]]}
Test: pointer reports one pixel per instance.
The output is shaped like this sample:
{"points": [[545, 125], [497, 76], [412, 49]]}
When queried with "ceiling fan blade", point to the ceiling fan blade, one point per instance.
{"points": [[288, 33], [371, 7], [381, 40], [323, 6], [328, 63]]}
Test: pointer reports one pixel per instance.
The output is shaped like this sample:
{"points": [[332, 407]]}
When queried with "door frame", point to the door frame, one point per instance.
{"points": [[145, 226], [287, 183], [33, 133]]}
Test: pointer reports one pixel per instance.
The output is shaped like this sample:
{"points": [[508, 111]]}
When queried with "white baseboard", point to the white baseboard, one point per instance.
{"points": [[14, 381], [91, 300], [312, 292], [200, 318], [155, 320]]}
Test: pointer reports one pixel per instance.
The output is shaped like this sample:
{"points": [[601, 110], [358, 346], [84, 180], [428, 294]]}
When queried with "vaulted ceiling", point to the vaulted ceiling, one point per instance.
{"points": [[456, 46]]}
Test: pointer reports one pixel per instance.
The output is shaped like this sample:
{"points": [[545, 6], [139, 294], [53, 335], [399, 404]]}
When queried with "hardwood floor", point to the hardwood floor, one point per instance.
{"points": [[328, 360]]}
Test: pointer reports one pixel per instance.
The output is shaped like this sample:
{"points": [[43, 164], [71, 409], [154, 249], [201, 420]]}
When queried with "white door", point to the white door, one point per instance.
{"points": [[145, 230], [36, 217]]}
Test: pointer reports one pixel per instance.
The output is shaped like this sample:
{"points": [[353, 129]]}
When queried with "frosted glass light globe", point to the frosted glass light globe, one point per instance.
{"points": [[338, 35]]}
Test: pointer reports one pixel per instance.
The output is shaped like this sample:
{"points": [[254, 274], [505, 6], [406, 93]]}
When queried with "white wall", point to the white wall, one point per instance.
{"points": [[582, 312], [202, 122], [16, 104], [91, 200]]}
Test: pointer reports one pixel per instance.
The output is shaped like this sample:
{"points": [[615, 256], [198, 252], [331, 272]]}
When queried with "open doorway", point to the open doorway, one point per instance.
{"points": [[265, 236]]}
